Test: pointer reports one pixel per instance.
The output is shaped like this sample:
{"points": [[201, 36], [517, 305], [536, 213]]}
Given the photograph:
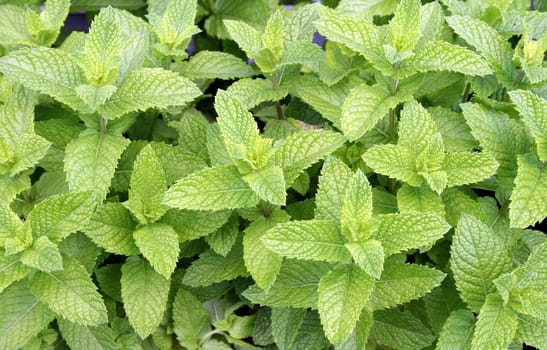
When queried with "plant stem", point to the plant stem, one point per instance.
{"points": [[265, 209], [102, 125], [518, 77], [279, 111]]}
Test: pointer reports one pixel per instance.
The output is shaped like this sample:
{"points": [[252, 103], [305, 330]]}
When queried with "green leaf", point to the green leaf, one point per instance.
{"points": [[357, 208], [286, 322], [22, 317], [295, 286], [308, 240], [11, 269], [248, 38], [91, 159], [223, 239], [101, 55], [311, 334], [214, 65], [496, 325], [148, 186], [70, 293], [78, 336], [10, 223], [263, 264], [215, 188], [43, 255], [400, 330], [11, 186], [159, 244], [144, 294], [192, 130], [442, 56], [299, 151], [299, 23], [95, 96], [302, 52], [402, 231], [489, 43], [149, 88], [528, 198], [190, 319], [333, 182], [532, 331], [457, 331], [13, 25], [46, 26], [465, 167], [111, 228], [176, 26], [60, 215], [212, 268], [455, 132], [477, 258], [343, 293], [393, 161], [405, 27], [269, 184], [417, 128], [191, 224], [49, 71], [533, 110], [365, 106], [419, 199], [368, 255], [401, 283], [533, 273]]}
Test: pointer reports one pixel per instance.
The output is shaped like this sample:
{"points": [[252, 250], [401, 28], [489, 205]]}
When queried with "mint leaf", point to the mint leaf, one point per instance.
{"points": [[405, 27], [175, 27], [148, 185], [43, 255], [159, 244], [457, 331], [309, 240], [401, 283], [532, 331], [477, 258], [343, 293], [70, 293], [91, 159], [87, 337], [144, 294], [333, 181], [465, 167], [496, 325], [420, 199], [400, 330], [190, 224], [269, 184], [214, 65], [357, 208], [527, 206], [223, 239], [22, 317], [286, 322], [215, 188], [11, 269], [533, 110], [190, 319], [396, 162], [111, 228], [302, 52], [368, 255]]}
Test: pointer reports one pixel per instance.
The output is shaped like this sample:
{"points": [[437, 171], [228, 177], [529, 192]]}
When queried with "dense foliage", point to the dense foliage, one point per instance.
{"points": [[352, 174]]}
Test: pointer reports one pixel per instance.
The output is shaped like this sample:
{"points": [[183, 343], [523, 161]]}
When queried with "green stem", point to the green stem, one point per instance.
{"points": [[518, 77], [102, 125], [265, 209], [279, 111]]}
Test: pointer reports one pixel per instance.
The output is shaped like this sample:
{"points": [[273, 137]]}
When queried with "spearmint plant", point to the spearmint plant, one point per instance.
{"points": [[382, 191]]}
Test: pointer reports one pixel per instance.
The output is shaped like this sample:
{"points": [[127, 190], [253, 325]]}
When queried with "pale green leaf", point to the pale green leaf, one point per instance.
{"points": [[420, 199], [11, 269], [299, 23], [148, 185], [215, 188], [191, 224], [212, 268], [308, 240], [10, 223], [102, 49], [175, 27], [477, 258], [159, 244], [333, 181], [299, 151], [263, 264], [295, 286], [400, 330], [95, 96], [177, 162], [402, 231], [29, 150], [43, 255], [273, 35], [532, 331], [223, 239], [455, 132], [22, 316], [533, 110], [343, 293], [111, 228], [486, 40], [49, 71], [70, 293], [496, 325], [429, 164], [393, 161], [302, 52], [457, 331], [311, 334], [457, 202], [60, 215], [533, 274], [416, 127], [442, 56], [192, 129], [365, 106], [368, 255], [405, 27], [81, 248], [252, 92], [357, 208], [268, 183], [401, 283], [465, 167], [190, 319], [13, 25], [149, 88], [214, 65], [144, 294], [441, 301], [78, 336], [248, 38], [286, 322], [11, 186], [91, 159]]}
